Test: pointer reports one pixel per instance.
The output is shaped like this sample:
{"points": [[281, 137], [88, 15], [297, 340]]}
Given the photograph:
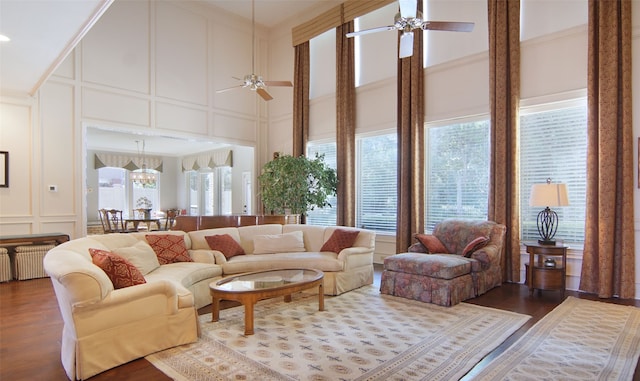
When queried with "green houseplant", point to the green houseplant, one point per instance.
{"points": [[296, 184]]}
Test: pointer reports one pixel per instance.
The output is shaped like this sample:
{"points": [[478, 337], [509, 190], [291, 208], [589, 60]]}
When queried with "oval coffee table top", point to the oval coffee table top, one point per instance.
{"points": [[265, 280]]}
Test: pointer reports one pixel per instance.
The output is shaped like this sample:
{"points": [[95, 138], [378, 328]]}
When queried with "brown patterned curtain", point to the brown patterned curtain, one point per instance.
{"points": [[609, 249], [301, 99], [410, 219], [504, 84], [345, 125]]}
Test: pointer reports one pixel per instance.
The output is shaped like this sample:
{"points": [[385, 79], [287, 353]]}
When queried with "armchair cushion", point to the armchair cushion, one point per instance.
{"points": [[432, 244], [120, 271], [474, 244]]}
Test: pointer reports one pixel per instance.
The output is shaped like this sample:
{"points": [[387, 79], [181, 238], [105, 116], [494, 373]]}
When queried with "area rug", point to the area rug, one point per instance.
{"points": [[361, 335], [579, 340]]}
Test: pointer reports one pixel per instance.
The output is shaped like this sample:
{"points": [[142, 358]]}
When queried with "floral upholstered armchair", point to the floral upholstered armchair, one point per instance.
{"points": [[463, 261]]}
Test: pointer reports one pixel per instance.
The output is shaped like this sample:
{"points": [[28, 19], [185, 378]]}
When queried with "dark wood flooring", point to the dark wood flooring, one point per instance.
{"points": [[31, 327]]}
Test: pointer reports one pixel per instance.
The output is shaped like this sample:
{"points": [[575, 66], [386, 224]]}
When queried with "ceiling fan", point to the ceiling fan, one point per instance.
{"points": [[252, 81], [410, 19]]}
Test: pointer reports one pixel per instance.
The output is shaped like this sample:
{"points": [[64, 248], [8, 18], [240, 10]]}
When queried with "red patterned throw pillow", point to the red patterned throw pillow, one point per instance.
{"points": [[432, 243], [339, 240], [169, 248], [225, 244], [121, 272], [475, 244]]}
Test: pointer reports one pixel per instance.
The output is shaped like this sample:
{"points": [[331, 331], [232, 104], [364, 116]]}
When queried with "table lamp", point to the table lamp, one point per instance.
{"points": [[548, 195]]}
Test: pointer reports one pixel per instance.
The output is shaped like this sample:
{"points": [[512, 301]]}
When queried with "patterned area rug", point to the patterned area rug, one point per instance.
{"points": [[579, 340], [361, 335]]}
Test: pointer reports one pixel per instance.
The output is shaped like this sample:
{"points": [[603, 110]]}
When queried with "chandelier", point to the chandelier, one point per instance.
{"points": [[143, 175]]}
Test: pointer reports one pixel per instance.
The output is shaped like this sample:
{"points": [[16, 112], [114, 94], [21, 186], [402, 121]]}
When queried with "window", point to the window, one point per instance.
{"points": [[554, 145], [377, 187], [117, 191], [457, 172], [323, 216], [209, 191]]}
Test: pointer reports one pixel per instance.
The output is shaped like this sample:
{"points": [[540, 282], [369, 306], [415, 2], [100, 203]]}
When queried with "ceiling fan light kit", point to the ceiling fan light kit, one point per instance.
{"points": [[410, 19], [252, 81]]}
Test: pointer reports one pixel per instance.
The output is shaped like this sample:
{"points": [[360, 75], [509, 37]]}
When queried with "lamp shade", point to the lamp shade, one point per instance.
{"points": [[549, 194]]}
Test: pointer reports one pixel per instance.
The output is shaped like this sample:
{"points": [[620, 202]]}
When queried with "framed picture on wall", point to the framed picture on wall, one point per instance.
{"points": [[4, 169]]}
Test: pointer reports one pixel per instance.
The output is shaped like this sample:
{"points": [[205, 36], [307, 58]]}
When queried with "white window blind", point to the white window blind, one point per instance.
{"points": [[377, 186], [323, 216], [457, 172], [554, 145]]}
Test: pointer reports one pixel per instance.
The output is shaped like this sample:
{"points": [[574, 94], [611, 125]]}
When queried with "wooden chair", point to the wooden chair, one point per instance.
{"points": [[112, 221], [171, 218]]}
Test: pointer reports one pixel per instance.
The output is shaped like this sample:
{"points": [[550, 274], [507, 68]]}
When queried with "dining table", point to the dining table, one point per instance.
{"points": [[146, 221]]}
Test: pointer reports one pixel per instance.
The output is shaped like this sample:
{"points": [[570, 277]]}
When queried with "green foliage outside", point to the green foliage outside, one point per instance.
{"points": [[296, 184]]}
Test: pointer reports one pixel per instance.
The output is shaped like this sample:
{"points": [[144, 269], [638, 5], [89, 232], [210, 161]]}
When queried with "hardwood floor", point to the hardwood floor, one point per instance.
{"points": [[31, 327]]}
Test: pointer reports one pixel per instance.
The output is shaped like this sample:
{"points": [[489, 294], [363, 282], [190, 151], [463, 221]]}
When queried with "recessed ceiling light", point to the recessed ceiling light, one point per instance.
{"points": [[4, 38]]}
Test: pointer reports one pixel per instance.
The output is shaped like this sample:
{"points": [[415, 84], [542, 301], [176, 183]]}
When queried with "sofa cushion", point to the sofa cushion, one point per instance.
{"points": [[432, 244], [169, 248], [279, 243], [340, 240], [225, 244], [120, 271], [475, 244], [141, 255], [442, 266], [324, 261], [185, 273]]}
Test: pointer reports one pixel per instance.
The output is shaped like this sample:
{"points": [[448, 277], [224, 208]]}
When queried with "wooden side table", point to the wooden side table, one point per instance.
{"points": [[547, 267]]}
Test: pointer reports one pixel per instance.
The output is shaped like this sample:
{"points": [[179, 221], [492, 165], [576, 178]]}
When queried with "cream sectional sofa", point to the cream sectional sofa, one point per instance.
{"points": [[105, 327]]}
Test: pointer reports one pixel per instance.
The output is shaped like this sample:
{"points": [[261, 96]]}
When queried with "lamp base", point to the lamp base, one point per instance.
{"points": [[547, 242]]}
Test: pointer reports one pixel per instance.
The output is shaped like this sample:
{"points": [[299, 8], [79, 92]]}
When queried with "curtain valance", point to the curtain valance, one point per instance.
{"points": [[127, 161], [334, 17], [212, 159]]}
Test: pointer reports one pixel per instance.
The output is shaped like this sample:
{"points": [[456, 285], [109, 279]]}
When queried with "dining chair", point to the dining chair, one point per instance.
{"points": [[171, 218], [112, 221]]}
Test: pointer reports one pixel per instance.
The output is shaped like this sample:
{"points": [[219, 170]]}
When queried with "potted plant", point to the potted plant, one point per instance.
{"points": [[294, 185]]}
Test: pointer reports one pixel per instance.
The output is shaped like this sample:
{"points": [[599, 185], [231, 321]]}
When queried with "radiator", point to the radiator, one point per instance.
{"points": [[5, 265], [28, 261]]}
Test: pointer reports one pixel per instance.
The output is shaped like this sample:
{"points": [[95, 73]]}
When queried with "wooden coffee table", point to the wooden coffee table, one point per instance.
{"points": [[250, 288]]}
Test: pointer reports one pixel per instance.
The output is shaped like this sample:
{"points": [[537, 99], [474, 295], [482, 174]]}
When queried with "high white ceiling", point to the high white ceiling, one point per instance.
{"points": [[44, 32]]}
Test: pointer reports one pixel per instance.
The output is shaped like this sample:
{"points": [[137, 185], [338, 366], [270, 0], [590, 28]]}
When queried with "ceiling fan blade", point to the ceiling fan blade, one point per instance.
{"points": [[278, 83], [406, 44], [408, 8], [229, 88], [451, 26], [372, 30], [264, 94]]}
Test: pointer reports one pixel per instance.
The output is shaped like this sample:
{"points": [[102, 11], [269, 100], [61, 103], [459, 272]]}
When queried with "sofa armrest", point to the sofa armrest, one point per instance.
{"points": [[125, 305], [488, 256], [353, 257]]}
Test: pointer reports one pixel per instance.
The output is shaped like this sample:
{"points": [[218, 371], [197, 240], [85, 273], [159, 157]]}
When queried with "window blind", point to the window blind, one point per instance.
{"points": [[457, 178], [377, 189], [323, 216], [554, 145]]}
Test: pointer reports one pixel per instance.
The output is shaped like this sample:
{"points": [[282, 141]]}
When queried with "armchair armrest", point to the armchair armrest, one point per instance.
{"points": [[488, 256]]}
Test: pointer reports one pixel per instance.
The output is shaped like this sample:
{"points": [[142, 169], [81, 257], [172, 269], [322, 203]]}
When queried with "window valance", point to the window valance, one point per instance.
{"points": [[127, 161], [212, 159], [335, 16]]}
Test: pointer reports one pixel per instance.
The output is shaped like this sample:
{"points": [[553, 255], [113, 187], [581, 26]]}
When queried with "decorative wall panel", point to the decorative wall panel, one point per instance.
{"points": [[181, 54], [183, 119], [234, 128], [115, 108], [115, 52]]}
